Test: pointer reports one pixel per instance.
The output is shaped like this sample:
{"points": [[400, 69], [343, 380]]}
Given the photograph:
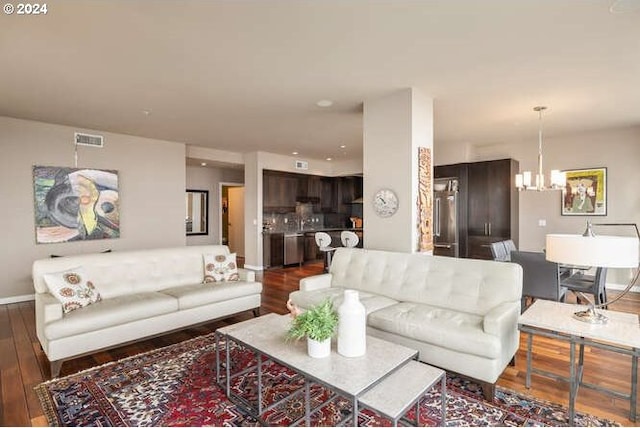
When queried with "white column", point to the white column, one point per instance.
{"points": [[394, 127], [253, 211]]}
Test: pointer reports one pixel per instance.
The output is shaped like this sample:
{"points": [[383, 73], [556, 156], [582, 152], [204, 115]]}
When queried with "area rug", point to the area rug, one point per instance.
{"points": [[175, 386]]}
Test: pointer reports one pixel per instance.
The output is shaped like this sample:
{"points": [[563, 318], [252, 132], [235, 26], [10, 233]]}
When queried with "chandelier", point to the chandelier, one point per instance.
{"points": [[524, 179]]}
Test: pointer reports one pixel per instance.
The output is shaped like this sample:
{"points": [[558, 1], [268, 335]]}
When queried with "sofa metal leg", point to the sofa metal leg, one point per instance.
{"points": [[256, 312], [55, 368]]}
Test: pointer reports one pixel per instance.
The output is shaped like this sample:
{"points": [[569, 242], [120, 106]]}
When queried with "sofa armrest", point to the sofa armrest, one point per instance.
{"points": [[503, 319], [48, 308], [315, 282], [246, 275]]}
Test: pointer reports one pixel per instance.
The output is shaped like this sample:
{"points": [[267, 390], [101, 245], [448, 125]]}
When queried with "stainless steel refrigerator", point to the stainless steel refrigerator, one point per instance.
{"points": [[445, 223]]}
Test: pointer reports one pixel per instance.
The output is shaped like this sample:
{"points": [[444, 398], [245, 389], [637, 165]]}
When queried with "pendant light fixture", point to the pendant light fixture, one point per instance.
{"points": [[524, 179]]}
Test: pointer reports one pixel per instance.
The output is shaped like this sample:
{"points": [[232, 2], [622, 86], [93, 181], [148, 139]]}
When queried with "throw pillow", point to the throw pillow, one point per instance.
{"points": [[220, 267], [72, 288]]}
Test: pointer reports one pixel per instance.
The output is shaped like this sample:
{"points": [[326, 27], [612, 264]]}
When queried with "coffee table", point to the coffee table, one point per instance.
{"points": [[361, 380], [554, 319]]}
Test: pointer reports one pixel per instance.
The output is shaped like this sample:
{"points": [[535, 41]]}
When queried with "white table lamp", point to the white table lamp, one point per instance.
{"points": [[598, 251]]}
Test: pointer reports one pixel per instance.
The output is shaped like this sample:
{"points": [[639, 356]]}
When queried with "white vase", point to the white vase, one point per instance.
{"points": [[352, 326], [318, 349]]}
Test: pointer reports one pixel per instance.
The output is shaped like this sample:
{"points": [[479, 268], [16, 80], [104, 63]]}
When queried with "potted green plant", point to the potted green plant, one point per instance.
{"points": [[318, 324]]}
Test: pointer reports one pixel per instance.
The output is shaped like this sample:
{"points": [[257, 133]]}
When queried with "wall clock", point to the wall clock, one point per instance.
{"points": [[385, 203]]}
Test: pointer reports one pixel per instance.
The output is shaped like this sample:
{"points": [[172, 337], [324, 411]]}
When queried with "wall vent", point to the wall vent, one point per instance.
{"points": [[302, 164], [83, 139]]}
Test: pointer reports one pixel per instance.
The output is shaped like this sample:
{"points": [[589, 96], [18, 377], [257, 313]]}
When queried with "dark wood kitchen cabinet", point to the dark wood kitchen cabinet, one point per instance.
{"points": [[273, 249], [332, 196], [279, 190], [329, 194], [492, 205], [487, 204], [311, 251], [314, 187]]}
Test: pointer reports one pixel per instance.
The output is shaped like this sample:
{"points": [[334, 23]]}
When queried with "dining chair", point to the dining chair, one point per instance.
{"points": [[509, 246], [499, 251], [540, 278], [581, 283]]}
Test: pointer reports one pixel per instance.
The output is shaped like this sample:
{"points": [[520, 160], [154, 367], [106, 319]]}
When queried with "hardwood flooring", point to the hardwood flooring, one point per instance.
{"points": [[23, 365]]}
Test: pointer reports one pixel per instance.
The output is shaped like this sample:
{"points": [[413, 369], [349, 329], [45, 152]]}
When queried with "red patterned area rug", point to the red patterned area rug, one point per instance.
{"points": [[175, 386]]}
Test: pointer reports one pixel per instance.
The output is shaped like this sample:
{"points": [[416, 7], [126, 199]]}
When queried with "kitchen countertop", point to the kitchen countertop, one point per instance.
{"points": [[309, 231]]}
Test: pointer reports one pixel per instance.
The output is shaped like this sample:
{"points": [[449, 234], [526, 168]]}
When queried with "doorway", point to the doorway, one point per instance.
{"points": [[232, 217]]}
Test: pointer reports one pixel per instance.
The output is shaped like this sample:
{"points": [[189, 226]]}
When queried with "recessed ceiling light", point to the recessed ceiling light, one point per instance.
{"points": [[343, 146], [294, 153], [329, 159], [146, 112], [203, 164], [324, 103]]}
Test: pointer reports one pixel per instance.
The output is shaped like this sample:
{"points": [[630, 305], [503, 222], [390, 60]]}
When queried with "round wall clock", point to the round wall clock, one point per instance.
{"points": [[385, 203]]}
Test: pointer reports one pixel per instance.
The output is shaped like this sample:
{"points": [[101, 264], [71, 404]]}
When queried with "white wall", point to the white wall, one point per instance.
{"points": [[253, 167], [394, 126], [151, 177], [207, 178]]}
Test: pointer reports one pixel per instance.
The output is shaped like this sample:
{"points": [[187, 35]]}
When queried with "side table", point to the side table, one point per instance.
{"points": [[555, 320]]}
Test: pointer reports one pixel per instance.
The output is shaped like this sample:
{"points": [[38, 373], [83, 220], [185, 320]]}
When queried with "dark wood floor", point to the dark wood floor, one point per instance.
{"points": [[23, 364]]}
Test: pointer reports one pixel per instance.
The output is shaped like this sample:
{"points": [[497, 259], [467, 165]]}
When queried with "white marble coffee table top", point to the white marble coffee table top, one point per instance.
{"points": [[350, 375], [622, 328]]}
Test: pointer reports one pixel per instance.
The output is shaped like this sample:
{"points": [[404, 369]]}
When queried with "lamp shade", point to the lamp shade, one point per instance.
{"points": [[598, 251]]}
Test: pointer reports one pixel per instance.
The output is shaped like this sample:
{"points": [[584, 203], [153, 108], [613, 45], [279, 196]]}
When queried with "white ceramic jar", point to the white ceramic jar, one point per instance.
{"points": [[352, 326]]}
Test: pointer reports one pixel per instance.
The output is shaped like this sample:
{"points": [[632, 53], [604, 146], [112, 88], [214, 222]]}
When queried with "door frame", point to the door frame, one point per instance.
{"points": [[220, 186]]}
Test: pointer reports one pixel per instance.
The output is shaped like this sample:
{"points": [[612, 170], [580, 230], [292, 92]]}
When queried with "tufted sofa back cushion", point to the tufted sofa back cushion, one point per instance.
{"points": [[472, 286], [122, 273]]}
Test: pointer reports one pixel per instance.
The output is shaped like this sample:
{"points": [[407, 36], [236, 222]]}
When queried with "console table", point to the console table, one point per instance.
{"points": [[555, 320]]}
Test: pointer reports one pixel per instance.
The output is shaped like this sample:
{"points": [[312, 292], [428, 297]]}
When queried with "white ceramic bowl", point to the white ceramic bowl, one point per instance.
{"points": [[439, 187]]}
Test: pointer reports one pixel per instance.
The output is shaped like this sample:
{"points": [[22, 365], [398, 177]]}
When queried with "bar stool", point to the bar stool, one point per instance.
{"points": [[349, 239], [323, 240]]}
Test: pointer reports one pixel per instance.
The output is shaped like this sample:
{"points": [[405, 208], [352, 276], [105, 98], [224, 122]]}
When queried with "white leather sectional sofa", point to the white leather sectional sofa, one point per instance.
{"points": [[460, 314], [143, 293]]}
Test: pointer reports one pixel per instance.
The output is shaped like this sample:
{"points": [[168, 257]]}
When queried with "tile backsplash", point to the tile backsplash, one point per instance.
{"points": [[292, 222]]}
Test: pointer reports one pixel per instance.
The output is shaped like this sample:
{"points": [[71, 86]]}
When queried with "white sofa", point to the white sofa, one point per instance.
{"points": [[144, 293], [460, 314]]}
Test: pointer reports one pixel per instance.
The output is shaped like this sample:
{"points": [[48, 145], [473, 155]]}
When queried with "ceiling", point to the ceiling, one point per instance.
{"points": [[246, 75]]}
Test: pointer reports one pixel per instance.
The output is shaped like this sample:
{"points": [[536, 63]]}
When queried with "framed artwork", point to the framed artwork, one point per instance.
{"points": [[585, 192], [75, 204]]}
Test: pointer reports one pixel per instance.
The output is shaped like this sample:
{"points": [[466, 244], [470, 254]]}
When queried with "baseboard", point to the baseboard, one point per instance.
{"points": [[17, 299], [620, 287], [254, 267]]}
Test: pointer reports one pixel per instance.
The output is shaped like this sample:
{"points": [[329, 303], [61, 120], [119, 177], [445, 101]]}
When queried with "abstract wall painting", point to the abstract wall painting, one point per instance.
{"points": [[585, 192], [75, 204]]}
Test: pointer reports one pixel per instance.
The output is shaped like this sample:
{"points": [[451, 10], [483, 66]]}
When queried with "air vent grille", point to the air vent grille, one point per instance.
{"points": [[89, 140], [302, 164]]}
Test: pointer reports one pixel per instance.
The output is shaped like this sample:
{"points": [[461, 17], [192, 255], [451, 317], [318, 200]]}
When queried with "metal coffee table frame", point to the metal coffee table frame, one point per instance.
{"points": [[402, 356]]}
